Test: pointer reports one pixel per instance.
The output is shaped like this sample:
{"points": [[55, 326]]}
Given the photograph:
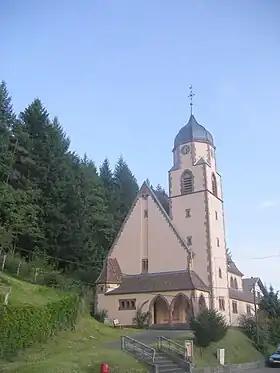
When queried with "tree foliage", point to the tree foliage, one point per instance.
{"points": [[270, 303], [162, 197], [265, 328], [53, 201], [209, 326]]}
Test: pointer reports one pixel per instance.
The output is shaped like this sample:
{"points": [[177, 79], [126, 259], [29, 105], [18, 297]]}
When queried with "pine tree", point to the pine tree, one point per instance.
{"points": [[126, 189], [7, 119], [18, 209], [53, 201], [47, 146], [162, 197], [111, 195]]}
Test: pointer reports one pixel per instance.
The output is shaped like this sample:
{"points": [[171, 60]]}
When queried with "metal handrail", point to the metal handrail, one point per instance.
{"points": [[143, 347], [179, 349]]}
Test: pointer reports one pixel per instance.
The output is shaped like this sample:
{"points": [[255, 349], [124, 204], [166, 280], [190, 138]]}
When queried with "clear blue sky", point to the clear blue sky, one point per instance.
{"points": [[116, 73]]}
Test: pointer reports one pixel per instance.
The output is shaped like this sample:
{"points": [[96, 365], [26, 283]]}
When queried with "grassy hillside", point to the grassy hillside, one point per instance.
{"points": [[25, 292], [81, 351], [238, 349]]}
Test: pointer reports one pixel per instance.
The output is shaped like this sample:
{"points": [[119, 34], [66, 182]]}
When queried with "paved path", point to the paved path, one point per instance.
{"points": [[150, 336]]}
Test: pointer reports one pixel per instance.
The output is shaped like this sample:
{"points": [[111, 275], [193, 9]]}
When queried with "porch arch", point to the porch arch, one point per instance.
{"points": [[181, 309], [159, 310]]}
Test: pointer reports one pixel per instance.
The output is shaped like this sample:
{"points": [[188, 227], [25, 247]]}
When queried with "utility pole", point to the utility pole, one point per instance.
{"points": [[256, 314]]}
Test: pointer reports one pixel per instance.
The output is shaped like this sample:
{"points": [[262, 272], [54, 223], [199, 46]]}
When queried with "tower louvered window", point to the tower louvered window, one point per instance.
{"points": [[214, 185], [187, 182]]}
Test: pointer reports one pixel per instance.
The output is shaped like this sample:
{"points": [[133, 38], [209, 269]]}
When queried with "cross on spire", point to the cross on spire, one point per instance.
{"points": [[190, 96]]}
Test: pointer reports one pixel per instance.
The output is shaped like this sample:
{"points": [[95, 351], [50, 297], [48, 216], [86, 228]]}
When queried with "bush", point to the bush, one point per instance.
{"points": [[141, 320], [23, 325], [209, 326], [274, 331], [100, 315], [248, 324], [39, 271], [15, 261], [249, 327]]}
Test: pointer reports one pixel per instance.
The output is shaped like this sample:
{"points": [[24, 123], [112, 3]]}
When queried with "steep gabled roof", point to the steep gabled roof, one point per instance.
{"points": [[232, 268], [146, 190], [248, 284], [160, 282], [111, 272]]}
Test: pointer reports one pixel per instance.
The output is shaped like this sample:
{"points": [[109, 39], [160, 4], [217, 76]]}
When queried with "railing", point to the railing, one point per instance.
{"points": [[172, 347], [132, 345], [176, 352]]}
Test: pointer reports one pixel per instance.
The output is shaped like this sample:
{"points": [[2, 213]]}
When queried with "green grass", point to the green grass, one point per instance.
{"points": [[81, 351], [25, 292], [238, 349]]}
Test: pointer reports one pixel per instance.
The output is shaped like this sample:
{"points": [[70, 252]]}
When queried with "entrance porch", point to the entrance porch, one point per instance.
{"points": [[173, 313]]}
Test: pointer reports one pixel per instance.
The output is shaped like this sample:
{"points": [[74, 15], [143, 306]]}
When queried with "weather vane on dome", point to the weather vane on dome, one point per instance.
{"points": [[190, 96]]}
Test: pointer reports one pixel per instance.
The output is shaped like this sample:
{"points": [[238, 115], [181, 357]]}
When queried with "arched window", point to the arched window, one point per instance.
{"points": [[187, 182], [220, 273], [235, 284], [214, 185], [231, 283]]}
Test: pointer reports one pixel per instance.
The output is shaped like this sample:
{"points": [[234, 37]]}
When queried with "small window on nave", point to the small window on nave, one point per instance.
{"points": [[187, 182], [220, 273]]}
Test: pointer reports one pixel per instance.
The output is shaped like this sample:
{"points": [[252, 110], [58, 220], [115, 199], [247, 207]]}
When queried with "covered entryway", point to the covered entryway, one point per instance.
{"points": [[181, 309], [159, 309]]}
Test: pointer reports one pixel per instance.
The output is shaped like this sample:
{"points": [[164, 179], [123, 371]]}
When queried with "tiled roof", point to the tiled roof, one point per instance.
{"points": [[243, 296], [248, 283], [160, 282], [111, 272], [232, 267]]}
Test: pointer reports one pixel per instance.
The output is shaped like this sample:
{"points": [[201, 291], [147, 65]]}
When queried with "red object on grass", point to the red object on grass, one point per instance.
{"points": [[104, 368]]}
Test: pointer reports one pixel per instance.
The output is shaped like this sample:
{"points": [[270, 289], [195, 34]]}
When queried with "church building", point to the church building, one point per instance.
{"points": [[175, 265]]}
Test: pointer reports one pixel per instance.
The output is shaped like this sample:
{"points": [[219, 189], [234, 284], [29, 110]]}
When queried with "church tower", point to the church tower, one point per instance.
{"points": [[196, 205]]}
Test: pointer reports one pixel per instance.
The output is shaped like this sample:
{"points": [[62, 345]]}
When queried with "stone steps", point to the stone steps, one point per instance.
{"points": [[166, 365], [162, 361]]}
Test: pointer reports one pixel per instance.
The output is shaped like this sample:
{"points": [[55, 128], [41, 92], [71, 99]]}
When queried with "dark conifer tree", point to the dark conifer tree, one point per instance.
{"points": [[126, 189], [162, 197]]}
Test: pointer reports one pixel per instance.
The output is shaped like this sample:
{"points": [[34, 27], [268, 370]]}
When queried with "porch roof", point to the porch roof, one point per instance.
{"points": [[160, 282]]}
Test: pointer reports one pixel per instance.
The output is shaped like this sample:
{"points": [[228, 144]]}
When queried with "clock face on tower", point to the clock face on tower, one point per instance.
{"points": [[185, 149]]}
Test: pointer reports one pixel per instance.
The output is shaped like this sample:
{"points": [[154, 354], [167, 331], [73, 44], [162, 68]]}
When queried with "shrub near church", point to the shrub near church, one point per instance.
{"points": [[209, 326]]}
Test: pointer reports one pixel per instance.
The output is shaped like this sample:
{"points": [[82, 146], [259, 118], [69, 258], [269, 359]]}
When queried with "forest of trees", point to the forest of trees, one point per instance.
{"points": [[52, 201]]}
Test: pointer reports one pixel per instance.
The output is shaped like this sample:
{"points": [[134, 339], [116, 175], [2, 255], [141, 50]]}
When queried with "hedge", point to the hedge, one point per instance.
{"points": [[23, 325]]}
